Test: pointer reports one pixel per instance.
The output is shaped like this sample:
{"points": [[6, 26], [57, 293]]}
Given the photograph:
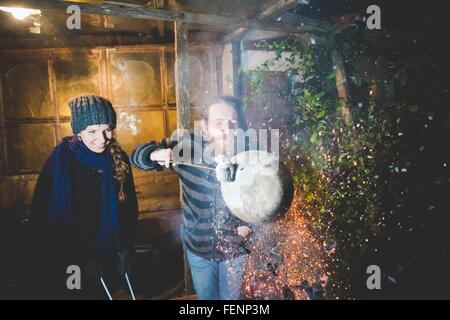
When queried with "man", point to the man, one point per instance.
{"points": [[215, 240]]}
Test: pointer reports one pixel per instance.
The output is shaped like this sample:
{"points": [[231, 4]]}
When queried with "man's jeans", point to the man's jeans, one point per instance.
{"points": [[216, 280]]}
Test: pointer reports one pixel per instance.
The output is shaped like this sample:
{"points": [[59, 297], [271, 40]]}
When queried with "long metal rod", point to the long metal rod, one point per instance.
{"points": [[129, 286], [199, 166], [106, 288]]}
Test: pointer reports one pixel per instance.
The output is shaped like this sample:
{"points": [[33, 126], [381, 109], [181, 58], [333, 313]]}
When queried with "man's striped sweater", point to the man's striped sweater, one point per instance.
{"points": [[209, 229]]}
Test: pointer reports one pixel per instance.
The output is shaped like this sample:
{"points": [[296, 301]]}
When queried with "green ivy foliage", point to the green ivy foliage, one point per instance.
{"points": [[337, 166]]}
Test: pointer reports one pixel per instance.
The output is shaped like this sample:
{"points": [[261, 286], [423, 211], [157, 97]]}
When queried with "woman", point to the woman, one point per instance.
{"points": [[84, 207], [215, 240]]}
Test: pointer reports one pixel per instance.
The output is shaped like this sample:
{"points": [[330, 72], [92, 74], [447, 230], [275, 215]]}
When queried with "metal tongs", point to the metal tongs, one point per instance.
{"points": [[130, 287]]}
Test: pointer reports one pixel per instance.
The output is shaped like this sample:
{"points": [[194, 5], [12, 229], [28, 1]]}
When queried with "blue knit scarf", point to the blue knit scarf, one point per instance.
{"points": [[61, 208]]}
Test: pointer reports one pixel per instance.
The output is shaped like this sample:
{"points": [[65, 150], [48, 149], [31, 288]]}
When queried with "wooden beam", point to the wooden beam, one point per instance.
{"points": [[183, 112], [295, 19], [342, 87], [141, 12], [3, 142], [267, 13], [236, 34], [218, 56], [53, 102], [276, 9], [237, 63], [161, 29], [182, 75], [159, 4]]}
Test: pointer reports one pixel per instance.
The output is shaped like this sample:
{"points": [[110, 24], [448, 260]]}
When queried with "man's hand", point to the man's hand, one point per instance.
{"points": [[225, 170], [243, 231], [162, 156]]}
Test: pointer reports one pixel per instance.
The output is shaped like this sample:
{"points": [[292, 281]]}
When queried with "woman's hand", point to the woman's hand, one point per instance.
{"points": [[163, 156]]}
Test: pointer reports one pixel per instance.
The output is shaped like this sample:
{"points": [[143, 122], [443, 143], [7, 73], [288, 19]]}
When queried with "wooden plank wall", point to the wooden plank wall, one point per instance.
{"points": [[158, 192]]}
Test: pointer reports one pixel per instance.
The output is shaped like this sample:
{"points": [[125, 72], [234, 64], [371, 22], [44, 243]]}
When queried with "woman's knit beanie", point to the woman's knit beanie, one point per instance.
{"points": [[89, 110]]}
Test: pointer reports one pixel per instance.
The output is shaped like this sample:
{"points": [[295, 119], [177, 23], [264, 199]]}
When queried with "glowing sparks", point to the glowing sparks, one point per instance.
{"points": [[286, 262]]}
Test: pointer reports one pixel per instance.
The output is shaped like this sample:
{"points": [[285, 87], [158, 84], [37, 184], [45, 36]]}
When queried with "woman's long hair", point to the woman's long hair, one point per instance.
{"points": [[122, 167]]}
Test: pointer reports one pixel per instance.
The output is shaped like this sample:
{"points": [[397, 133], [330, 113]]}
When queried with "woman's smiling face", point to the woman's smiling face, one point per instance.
{"points": [[96, 137]]}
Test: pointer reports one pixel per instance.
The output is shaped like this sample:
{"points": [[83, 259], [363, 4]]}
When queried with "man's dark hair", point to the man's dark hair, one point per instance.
{"points": [[232, 101]]}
